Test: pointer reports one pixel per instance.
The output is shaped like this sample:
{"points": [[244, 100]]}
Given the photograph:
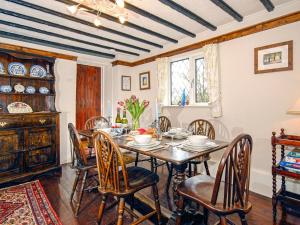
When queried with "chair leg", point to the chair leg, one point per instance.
{"points": [[205, 216], [223, 220], [179, 210], [121, 211], [206, 168], [136, 159], [75, 184], [190, 169], [169, 179], [243, 219], [157, 205], [195, 170], [101, 209], [81, 192], [132, 202]]}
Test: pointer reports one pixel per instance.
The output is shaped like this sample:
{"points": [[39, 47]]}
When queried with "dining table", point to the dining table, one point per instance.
{"points": [[174, 154]]}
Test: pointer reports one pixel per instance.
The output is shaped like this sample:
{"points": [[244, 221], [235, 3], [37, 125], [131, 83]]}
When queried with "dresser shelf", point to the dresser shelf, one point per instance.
{"points": [[26, 77]]}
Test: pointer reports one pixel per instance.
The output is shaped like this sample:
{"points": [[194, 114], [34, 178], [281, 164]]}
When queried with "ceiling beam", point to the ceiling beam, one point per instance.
{"points": [[155, 18], [52, 44], [256, 28], [268, 5], [116, 20], [188, 13], [48, 23], [32, 29], [228, 9], [84, 22]]}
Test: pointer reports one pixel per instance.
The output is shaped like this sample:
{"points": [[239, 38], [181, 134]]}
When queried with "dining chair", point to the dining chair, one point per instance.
{"points": [[164, 123], [201, 127], [226, 194], [92, 122], [85, 166], [117, 180]]}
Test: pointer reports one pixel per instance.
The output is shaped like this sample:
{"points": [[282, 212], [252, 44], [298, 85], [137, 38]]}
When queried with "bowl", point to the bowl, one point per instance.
{"points": [[143, 139], [197, 139]]}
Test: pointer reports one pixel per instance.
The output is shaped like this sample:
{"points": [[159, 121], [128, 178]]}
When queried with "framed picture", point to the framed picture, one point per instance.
{"points": [[126, 83], [145, 80], [273, 58]]}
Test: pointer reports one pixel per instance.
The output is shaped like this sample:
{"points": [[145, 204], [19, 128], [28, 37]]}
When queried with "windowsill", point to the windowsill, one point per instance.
{"points": [[187, 106]]}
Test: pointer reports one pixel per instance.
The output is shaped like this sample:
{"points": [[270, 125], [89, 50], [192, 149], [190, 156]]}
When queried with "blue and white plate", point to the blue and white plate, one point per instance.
{"points": [[44, 90], [37, 71], [2, 70], [16, 69], [30, 90], [5, 88]]}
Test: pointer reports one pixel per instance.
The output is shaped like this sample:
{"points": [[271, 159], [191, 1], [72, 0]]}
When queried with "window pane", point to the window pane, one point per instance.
{"points": [[179, 80], [201, 82]]}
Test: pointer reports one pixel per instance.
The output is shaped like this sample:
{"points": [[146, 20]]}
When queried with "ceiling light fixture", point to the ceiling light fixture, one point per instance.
{"points": [[115, 8]]}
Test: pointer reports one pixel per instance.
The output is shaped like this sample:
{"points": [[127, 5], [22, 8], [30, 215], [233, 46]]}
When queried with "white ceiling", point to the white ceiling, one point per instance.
{"points": [[203, 8]]}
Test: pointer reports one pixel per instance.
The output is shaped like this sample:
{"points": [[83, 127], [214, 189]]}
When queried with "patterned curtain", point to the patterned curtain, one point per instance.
{"points": [[163, 80], [211, 70]]}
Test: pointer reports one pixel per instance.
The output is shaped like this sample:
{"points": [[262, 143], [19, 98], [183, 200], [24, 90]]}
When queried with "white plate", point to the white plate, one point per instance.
{"points": [[150, 145], [205, 145], [37, 71]]}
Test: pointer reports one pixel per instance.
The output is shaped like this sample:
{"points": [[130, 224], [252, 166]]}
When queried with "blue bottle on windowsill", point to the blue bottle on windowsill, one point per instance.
{"points": [[183, 98]]}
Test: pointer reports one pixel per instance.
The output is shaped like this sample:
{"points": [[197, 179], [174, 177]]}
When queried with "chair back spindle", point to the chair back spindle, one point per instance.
{"points": [[164, 123], [112, 171], [234, 168], [202, 127]]}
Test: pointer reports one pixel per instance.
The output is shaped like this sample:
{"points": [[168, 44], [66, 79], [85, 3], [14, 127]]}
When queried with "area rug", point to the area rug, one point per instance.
{"points": [[26, 204]]}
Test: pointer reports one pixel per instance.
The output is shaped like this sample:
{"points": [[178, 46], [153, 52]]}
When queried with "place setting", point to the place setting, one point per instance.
{"points": [[145, 143], [197, 143]]}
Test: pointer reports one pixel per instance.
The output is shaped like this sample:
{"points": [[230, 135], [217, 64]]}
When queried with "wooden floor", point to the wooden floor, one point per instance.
{"points": [[58, 189]]}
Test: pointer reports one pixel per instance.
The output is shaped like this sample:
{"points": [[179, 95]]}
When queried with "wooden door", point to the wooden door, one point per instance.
{"points": [[88, 94]]}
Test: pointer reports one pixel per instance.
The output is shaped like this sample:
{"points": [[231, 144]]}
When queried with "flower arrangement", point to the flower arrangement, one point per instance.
{"points": [[135, 108]]}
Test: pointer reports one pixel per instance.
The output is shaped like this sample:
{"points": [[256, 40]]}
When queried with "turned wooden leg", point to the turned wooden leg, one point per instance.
{"points": [[223, 220], [179, 210], [136, 159], [178, 178], [169, 180], [121, 211], [75, 184], [205, 216], [157, 205], [206, 168], [243, 219], [274, 200], [81, 192], [101, 209]]}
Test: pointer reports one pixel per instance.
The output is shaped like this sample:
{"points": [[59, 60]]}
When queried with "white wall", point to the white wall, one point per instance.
{"points": [[254, 104]]}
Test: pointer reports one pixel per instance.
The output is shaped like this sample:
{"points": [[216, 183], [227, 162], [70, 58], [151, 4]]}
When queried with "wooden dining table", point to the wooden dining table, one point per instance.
{"points": [[176, 155]]}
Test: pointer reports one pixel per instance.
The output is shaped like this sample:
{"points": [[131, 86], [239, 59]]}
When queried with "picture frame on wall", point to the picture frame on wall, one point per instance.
{"points": [[145, 80], [126, 83], [273, 58]]}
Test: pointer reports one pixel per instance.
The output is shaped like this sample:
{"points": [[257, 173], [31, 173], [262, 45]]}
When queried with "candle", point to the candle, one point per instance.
{"points": [[108, 110], [156, 110]]}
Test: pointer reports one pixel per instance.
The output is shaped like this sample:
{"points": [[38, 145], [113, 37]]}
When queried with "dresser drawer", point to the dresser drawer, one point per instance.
{"points": [[39, 121], [11, 122]]}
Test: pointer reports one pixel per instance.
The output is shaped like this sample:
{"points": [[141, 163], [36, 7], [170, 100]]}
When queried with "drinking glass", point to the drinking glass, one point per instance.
{"points": [[172, 133]]}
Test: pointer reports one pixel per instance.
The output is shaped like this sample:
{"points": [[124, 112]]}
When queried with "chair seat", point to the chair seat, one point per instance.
{"points": [[200, 188], [139, 177]]}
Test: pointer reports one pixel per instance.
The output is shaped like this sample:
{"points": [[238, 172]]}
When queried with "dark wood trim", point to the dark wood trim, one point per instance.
{"points": [[59, 26], [122, 88], [290, 57], [228, 9], [64, 37], [270, 24], [54, 44], [268, 5], [188, 13], [140, 75], [158, 19], [116, 20], [84, 22], [20, 49]]}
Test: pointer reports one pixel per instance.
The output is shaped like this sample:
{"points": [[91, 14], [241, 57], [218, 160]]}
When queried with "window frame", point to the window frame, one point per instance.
{"points": [[195, 84]]}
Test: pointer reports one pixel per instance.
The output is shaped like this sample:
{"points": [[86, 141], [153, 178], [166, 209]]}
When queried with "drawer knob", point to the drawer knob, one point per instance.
{"points": [[42, 121], [3, 124]]}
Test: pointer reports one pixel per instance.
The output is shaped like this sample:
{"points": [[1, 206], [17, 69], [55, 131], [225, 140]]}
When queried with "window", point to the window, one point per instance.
{"points": [[187, 76]]}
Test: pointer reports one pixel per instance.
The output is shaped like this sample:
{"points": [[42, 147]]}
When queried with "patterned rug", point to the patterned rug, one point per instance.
{"points": [[26, 204]]}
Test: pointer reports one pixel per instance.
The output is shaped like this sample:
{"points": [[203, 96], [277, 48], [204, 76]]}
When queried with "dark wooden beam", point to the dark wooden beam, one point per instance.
{"points": [[24, 27], [227, 8], [268, 5], [52, 44], [155, 18], [188, 13], [59, 26], [256, 28], [84, 22], [116, 20]]}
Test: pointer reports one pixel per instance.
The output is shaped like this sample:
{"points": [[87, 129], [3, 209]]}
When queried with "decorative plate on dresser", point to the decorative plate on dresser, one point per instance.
{"points": [[44, 90], [17, 69], [2, 70], [37, 71], [19, 107], [5, 88], [19, 88], [30, 90]]}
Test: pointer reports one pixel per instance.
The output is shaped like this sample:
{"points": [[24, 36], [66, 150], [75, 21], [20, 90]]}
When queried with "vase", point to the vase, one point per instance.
{"points": [[135, 124]]}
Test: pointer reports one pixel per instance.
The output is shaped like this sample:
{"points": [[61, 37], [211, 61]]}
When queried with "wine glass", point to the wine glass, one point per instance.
{"points": [[172, 132]]}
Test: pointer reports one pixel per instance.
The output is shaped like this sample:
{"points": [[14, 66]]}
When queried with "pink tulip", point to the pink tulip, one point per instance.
{"points": [[121, 103], [146, 103], [133, 97]]}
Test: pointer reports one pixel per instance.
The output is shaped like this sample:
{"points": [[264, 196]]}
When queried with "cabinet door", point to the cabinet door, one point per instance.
{"points": [[11, 152], [41, 148]]}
